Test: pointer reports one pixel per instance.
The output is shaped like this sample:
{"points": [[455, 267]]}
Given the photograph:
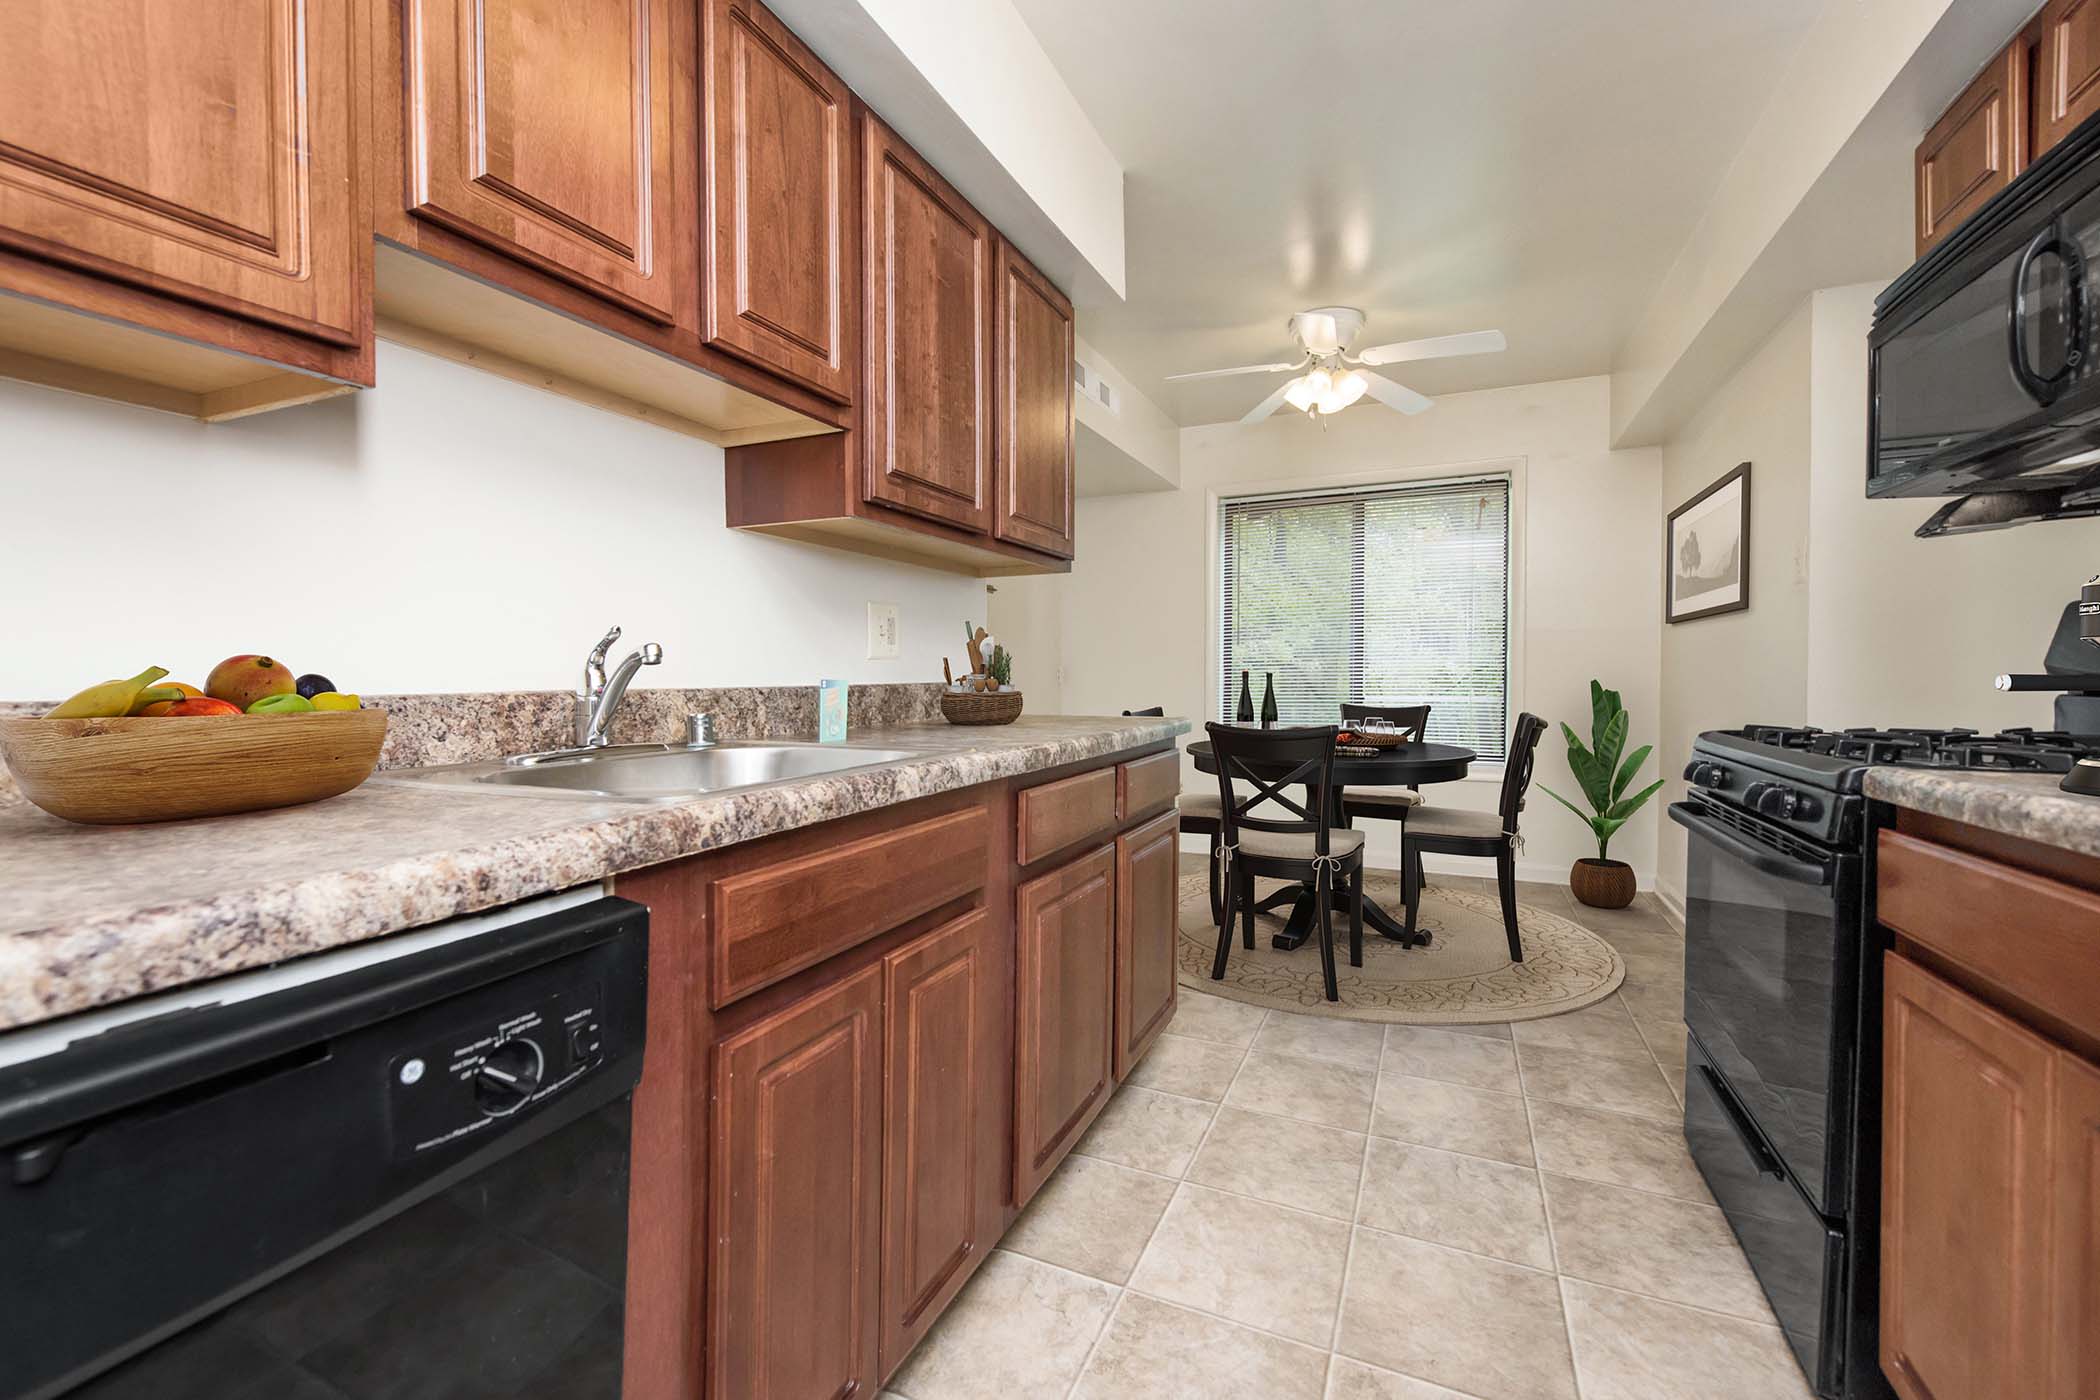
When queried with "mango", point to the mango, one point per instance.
{"points": [[243, 680]]}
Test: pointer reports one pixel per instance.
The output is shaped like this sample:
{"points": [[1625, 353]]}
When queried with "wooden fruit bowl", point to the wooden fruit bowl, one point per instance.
{"points": [[109, 771]]}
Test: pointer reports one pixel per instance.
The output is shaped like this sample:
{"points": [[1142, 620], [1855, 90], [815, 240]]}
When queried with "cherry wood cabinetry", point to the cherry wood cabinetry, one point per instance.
{"points": [[1977, 147], [1990, 1256], [1064, 1011], [2067, 88], [1148, 878], [782, 243], [193, 171], [797, 1147], [928, 385], [1032, 445]]}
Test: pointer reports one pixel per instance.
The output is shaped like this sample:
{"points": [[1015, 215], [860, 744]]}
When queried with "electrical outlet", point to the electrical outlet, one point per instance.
{"points": [[882, 631]]}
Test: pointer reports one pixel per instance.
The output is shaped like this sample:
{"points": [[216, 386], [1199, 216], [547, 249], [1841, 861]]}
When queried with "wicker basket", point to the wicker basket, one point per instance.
{"points": [[973, 707], [1374, 740]]}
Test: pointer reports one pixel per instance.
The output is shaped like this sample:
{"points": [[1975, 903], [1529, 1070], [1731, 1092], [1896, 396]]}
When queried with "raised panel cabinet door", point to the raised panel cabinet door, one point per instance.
{"points": [[1032, 373], [207, 150], [940, 1058], [543, 129], [781, 274], [2068, 83], [1965, 1194], [1064, 1011], [926, 395], [1147, 879], [796, 1194], [1973, 150], [2075, 1301]]}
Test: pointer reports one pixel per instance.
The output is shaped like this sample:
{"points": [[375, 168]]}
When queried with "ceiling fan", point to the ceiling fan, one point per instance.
{"points": [[1333, 377]]}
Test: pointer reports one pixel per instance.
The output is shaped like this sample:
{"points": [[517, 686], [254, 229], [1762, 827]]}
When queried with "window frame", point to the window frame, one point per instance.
{"points": [[1513, 469]]}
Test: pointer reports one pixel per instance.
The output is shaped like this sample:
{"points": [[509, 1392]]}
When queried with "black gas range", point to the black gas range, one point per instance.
{"points": [[1782, 1004]]}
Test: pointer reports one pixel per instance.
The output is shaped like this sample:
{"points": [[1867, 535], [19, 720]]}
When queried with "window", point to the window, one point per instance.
{"points": [[1388, 594]]}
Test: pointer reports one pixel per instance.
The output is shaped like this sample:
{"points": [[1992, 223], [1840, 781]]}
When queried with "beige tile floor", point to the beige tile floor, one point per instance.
{"points": [[1280, 1206]]}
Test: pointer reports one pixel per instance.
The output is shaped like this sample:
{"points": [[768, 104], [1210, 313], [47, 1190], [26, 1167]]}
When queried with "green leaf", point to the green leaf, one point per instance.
{"points": [[1628, 806], [1631, 766], [1594, 777], [1586, 817], [1610, 744], [1605, 827], [1600, 710]]}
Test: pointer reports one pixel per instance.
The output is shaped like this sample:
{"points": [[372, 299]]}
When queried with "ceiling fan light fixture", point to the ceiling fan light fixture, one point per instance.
{"points": [[1307, 390], [1342, 390]]}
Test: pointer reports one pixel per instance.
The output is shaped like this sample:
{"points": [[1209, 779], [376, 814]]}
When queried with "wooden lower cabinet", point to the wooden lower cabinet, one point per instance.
{"points": [[797, 1160], [943, 1121], [2074, 1310], [1148, 877], [1966, 1175], [1064, 1022]]}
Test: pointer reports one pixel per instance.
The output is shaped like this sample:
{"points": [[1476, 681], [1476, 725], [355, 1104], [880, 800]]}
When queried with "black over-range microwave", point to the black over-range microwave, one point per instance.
{"points": [[1986, 359]]}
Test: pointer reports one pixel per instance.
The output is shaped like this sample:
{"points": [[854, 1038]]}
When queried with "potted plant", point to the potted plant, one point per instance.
{"points": [[1604, 883]]}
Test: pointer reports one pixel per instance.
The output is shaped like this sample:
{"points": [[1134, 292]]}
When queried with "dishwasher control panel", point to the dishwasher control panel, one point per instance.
{"points": [[492, 1062]]}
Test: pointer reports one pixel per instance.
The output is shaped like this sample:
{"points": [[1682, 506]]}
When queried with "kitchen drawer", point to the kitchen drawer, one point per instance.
{"points": [[1065, 813], [776, 920], [1147, 785], [2015, 930]]}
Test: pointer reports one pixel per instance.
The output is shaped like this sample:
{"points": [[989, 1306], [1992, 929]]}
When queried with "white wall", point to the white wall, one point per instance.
{"points": [[1743, 667], [1136, 607], [1911, 631], [448, 530]]}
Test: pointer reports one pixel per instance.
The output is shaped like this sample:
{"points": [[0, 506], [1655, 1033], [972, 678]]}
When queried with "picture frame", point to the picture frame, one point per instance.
{"points": [[1706, 551]]}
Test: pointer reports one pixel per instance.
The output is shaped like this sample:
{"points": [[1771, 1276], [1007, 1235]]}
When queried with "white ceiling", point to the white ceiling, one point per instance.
{"points": [[1448, 165]]}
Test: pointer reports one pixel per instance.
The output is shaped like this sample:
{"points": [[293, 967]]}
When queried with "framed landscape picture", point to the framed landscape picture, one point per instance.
{"points": [[1706, 551]]}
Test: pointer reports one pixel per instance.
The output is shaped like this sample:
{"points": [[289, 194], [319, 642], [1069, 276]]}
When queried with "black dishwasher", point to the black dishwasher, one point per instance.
{"points": [[394, 1172]]}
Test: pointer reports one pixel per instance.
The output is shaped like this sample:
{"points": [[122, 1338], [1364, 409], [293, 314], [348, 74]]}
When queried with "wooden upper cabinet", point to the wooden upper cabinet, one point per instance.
{"points": [[544, 129], [2067, 86], [781, 249], [1966, 1175], [926, 397], [206, 151], [1032, 372], [796, 1176], [1064, 1020], [1147, 933], [1975, 148]]}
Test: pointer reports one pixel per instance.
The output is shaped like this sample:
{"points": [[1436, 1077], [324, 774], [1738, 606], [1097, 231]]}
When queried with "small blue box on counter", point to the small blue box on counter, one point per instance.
{"points": [[831, 712]]}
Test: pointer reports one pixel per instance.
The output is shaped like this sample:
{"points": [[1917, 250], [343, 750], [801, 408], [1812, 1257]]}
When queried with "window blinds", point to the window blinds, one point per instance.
{"points": [[1391, 594]]}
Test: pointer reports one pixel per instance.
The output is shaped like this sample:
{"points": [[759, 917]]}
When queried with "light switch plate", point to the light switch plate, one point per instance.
{"points": [[882, 631]]}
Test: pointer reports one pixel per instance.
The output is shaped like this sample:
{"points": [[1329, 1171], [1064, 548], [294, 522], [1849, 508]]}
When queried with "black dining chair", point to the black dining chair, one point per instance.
{"points": [[1198, 812], [1385, 804], [1452, 831], [1300, 846]]}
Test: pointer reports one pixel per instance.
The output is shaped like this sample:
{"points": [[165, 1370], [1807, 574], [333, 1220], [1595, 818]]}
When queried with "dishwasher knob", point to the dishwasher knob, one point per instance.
{"points": [[508, 1076]]}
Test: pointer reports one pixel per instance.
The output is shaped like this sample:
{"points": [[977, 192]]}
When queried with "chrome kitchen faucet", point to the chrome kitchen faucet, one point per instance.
{"points": [[600, 698]]}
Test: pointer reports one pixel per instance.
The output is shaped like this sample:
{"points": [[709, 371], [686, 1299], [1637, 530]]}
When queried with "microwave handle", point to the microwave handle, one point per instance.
{"points": [[2045, 389]]}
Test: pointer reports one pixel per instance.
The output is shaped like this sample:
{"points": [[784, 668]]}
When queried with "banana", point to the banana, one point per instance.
{"points": [[109, 699], [154, 695]]}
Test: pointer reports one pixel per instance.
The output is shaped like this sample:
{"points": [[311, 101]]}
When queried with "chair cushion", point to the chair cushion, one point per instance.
{"points": [[1396, 799], [1198, 804], [1453, 821], [1298, 845]]}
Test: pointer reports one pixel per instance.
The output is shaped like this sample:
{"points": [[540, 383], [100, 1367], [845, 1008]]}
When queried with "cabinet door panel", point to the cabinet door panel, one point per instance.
{"points": [[1965, 1204], [797, 1171], [1032, 367], [1064, 1020], [543, 128], [206, 151], [938, 1050], [2068, 84], [1974, 149], [1147, 877], [2075, 1302], [780, 271], [929, 277]]}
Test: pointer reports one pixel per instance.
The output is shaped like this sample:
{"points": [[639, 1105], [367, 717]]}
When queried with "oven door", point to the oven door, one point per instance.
{"points": [[1771, 968]]}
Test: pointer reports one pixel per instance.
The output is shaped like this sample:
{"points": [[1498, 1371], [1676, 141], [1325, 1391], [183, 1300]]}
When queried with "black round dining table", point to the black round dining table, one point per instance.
{"points": [[1403, 765]]}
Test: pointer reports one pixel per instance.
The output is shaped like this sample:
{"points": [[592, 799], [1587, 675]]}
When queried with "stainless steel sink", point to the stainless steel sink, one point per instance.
{"points": [[658, 772]]}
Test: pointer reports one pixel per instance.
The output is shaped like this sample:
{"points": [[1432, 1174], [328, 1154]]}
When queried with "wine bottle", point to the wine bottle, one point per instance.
{"points": [[1245, 713], [1268, 700]]}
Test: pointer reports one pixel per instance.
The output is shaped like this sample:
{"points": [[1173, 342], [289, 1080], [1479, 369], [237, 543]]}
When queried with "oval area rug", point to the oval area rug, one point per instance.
{"points": [[1464, 976]]}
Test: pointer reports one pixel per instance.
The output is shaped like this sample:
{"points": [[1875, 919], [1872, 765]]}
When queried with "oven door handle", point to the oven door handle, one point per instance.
{"points": [[1768, 1163], [1759, 858]]}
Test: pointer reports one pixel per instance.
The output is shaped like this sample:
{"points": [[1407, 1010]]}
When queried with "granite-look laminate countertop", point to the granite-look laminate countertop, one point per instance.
{"points": [[2030, 806], [92, 915]]}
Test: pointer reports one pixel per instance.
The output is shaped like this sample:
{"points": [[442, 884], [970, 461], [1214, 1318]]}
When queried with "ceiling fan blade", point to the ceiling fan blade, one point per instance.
{"points": [[1436, 347], [1395, 396], [1242, 369], [1267, 406]]}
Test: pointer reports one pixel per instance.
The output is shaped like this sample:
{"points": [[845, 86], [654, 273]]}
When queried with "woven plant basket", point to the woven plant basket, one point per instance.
{"points": [[971, 707]]}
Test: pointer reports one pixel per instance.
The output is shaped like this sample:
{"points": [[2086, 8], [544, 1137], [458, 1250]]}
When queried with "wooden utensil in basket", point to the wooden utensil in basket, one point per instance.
{"points": [[108, 771]]}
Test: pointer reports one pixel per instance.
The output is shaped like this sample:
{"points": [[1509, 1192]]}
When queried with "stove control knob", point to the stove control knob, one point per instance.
{"points": [[508, 1076], [1691, 770], [1754, 795], [1711, 775]]}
